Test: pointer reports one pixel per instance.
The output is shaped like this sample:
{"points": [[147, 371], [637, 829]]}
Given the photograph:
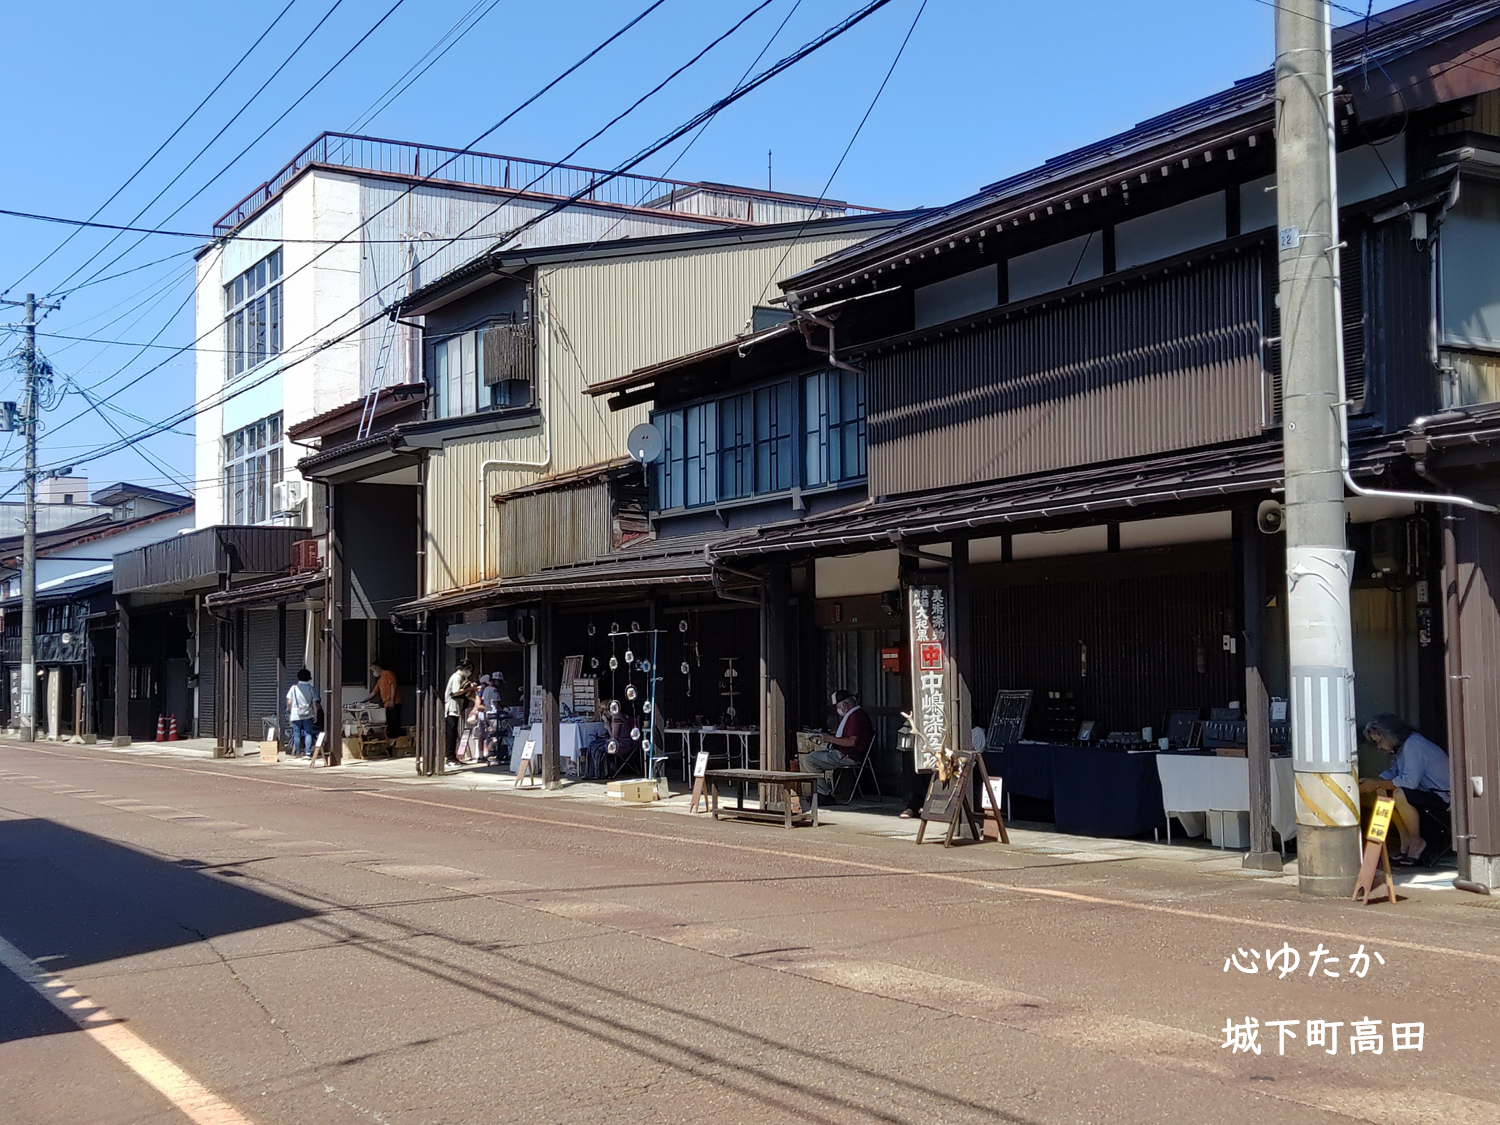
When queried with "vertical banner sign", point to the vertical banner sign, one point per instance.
{"points": [[929, 663]]}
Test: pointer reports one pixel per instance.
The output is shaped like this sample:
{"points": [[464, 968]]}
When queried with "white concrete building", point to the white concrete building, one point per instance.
{"points": [[288, 301]]}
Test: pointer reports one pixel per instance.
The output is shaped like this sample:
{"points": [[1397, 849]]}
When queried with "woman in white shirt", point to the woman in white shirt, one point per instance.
{"points": [[302, 710]]}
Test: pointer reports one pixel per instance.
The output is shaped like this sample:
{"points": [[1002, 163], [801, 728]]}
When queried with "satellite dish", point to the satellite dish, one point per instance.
{"points": [[645, 444]]}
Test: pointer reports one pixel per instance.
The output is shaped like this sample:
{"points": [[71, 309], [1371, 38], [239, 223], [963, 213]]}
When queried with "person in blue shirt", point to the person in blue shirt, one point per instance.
{"points": [[1418, 773]]}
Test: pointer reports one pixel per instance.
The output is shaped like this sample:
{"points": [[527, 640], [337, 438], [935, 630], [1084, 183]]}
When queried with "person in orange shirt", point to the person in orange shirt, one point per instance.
{"points": [[388, 695]]}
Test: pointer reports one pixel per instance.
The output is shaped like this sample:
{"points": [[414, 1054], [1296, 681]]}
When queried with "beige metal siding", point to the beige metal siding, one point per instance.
{"points": [[596, 320], [551, 528]]}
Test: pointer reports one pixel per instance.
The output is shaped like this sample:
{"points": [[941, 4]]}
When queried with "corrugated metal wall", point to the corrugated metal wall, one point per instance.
{"points": [[207, 637], [550, 528], [1127, 648], [596, 320], [1168, 363], [394, 263]]}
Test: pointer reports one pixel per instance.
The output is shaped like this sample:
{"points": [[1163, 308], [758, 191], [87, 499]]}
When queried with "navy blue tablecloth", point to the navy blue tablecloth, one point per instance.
{"points": [[1094, 792]]}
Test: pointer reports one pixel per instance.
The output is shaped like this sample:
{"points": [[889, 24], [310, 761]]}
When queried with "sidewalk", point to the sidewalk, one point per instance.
{"points": [[860, 818]]}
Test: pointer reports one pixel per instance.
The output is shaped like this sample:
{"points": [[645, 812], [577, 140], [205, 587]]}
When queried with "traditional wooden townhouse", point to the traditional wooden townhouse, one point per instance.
{"points": [[447, 496], [1059, 400]]}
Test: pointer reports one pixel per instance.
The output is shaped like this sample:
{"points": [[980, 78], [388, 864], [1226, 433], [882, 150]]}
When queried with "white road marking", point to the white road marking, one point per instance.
{"points": [[196, 1101]]}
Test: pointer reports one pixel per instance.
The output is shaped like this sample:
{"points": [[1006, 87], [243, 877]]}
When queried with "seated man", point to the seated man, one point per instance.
{"points": [[1419, 775], [846, 746]]}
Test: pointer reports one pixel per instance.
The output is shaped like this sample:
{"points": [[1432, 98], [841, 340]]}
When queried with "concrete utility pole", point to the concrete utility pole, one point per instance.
{"points": [[1319, 567], [28, 540]]}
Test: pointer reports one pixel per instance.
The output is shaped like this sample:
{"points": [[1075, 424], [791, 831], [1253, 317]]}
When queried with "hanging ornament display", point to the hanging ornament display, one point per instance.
{"points": [[682, 625], [630, 691], [614, 663]]}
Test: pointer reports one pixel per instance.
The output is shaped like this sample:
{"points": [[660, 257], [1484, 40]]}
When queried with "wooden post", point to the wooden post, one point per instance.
{"points": [[1261, 857], [281, 684], [241, 721], [122, 672], [775, 614], [549, 674], [333, 633], [959, 648]]}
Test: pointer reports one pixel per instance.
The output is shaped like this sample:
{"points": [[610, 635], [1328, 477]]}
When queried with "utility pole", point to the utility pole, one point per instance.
{"points": [[27, 421], [1319, 567]]}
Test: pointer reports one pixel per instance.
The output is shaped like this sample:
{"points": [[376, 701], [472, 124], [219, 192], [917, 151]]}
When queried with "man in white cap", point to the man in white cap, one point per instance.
{"points": [[845, 747]]}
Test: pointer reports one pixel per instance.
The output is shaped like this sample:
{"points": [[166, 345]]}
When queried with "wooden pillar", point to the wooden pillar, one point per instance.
{"points": [[549, 675], [1252, 560], [775, 619], [241, 720], [281, 684], [122, 672], [960, 645], [333, 632]]}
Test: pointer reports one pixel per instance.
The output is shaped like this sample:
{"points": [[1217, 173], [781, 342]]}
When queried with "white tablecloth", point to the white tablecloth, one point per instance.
{"points": [[571, 738], [1204, 783]]}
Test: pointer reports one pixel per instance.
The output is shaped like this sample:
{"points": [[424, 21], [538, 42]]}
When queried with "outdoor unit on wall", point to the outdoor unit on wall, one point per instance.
{"points": [[306, 556], [289, 500]]}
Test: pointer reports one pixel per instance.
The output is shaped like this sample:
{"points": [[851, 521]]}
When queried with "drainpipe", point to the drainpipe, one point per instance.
{"points": [[810, 318], [728, 595]]}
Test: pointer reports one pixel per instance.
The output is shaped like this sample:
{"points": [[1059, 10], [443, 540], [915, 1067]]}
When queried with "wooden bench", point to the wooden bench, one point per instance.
{"points": [[789, 781]]}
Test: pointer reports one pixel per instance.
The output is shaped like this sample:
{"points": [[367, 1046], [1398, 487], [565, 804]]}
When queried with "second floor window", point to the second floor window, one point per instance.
{"points": [[491, 367], [252, 467], [252, 315], [747, 444]]}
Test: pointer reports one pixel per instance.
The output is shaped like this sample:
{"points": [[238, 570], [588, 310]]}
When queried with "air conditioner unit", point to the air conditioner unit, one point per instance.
{"points": [[306, 556], [288, 498]]}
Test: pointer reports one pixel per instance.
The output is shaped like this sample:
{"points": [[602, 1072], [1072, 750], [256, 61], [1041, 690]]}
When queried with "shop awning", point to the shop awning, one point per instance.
{"points": [[1196, 478], [290, 588], [671, 562]]}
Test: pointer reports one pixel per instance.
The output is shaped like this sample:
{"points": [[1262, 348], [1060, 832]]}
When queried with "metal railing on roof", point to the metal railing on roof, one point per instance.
{"points": [[493, 172]]}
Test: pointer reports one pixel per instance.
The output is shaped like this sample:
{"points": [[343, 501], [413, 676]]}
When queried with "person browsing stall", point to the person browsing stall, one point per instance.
{"points": [[845, 747], [388, 695], [302, 710], [456, 696], [1419, 774]]}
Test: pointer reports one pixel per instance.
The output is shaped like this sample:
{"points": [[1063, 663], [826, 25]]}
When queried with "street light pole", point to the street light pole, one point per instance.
{"points": [[1319, 566]]}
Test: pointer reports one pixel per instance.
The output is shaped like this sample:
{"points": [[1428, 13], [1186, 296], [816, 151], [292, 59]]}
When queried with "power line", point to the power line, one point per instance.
{"points": [[262, 134], [212, 140], [651, 7], [173, 136], [869, 109], [698, 119]]}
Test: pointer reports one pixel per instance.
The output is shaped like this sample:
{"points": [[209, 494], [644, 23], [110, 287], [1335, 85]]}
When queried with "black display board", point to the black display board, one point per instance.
{"points": [[1008, 719], [951, 802]]}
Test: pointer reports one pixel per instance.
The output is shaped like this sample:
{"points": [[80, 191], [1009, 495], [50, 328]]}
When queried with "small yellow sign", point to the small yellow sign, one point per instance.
{"points": [[1380, 819]]}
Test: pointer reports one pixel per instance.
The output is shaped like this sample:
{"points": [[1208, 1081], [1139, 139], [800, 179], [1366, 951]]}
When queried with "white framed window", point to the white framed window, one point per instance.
{"points": [[252, 315], [252, 467], [491, 367]]}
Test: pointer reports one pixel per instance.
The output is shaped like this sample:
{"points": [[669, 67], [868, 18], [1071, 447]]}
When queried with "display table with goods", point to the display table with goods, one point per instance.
{"points": [[790, 782], [573, 738], [1095, 790], [1201, 788]]}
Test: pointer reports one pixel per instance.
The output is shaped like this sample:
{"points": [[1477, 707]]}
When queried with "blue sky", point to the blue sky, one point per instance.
{"points": [[985, 88]]}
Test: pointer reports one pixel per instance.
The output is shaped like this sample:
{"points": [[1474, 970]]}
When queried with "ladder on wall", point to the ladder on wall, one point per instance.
{"points": [[367, 416]]}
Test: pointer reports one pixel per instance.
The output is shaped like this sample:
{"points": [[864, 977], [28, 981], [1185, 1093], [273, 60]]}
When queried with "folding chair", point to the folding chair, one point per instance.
{"points": [[865, 768]]}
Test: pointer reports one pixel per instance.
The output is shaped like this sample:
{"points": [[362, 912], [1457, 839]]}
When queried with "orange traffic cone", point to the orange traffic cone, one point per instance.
{"points": [[161, 728], [172, 729]]}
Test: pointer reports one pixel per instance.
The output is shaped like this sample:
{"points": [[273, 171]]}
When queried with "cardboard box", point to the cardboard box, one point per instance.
{"points": [[636, 792], [354, 747], [269, 751]]}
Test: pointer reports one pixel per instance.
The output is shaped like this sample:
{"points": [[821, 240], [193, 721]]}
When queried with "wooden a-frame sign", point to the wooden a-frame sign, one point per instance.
{"points": [[952, 801], [528, 765], [1375, 852], [699, 802]]}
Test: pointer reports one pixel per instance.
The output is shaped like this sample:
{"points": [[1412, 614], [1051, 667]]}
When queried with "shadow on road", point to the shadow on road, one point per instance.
{"points": [[71, 899]]}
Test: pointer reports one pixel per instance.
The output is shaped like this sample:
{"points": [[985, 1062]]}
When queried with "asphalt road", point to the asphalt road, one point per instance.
{"points": [[290, 947]]}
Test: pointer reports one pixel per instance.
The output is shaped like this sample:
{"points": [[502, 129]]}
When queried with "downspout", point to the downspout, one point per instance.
{"points": [[1418, 425], [716, 569], [807, 318], [544, 397]]}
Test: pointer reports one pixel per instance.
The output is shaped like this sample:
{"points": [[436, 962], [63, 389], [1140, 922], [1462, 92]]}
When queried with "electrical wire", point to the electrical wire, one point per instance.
{"points": [[262, 134], [225, 393], [651, 7], [211, 141], [828, 185], [170, 138]]}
